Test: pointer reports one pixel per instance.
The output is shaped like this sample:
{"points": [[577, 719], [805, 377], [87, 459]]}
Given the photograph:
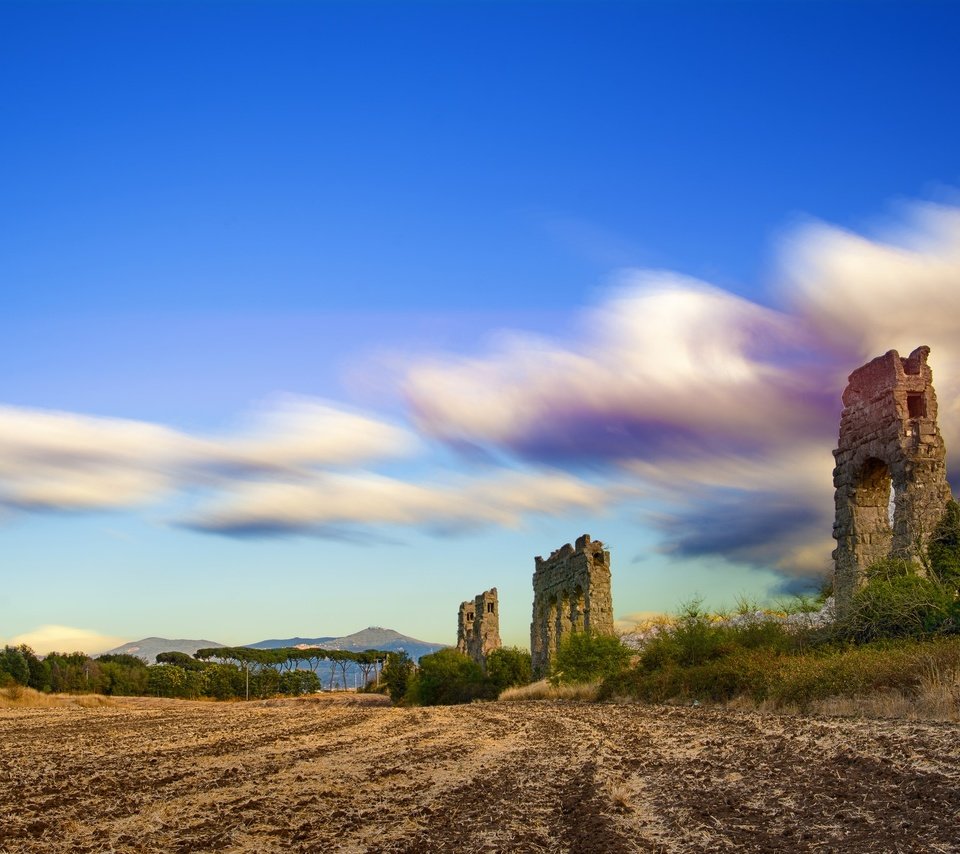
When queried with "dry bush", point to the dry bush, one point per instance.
{"points": [[621, 796], [20, 697], [543, 690], [937, 698]]}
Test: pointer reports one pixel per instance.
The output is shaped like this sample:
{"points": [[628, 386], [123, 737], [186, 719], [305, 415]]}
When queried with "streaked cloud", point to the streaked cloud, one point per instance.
{"points": [[329, 504], [723, 412], [772, 509], [665, 367], [50, 638], [713, 416], [866, 296], [53, 460]]}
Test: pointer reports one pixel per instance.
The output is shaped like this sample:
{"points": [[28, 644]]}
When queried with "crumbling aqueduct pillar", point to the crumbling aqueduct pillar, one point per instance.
{"points": [[890, 475], [478, 626], [571, 593]]}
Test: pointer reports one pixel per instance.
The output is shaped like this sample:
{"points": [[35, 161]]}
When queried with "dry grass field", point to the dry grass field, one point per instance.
{"points": [[348, 775]]}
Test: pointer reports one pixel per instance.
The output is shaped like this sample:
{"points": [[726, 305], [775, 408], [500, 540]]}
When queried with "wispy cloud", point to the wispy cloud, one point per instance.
{"points": [[665, 367], [723, 410], [328, 504], [713, 414], [65, 461], [772, 509], [866, 296]]}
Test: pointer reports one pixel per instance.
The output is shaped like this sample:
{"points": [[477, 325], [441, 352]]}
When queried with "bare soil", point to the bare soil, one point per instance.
{"points": [[301, 776]]}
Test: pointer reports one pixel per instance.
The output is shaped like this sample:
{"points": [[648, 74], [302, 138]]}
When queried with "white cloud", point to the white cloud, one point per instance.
{"points": [[50, 638], [724, 411], [665, 361], [329, 501], [296, 433], [865, 296], [65, 461], [720, 413]]}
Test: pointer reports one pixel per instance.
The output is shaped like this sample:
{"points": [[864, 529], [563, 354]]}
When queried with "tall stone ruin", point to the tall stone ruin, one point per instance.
{"points": [[478, 627], [891, 474], [571, 593]]}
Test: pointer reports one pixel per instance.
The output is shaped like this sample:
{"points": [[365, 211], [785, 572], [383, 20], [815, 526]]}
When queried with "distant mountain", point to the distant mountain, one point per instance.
{"points": [[278, 644], [148, 648], [373, 637]]}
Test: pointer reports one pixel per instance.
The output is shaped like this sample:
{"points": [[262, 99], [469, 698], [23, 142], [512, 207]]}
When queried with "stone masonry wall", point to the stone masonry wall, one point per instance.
{"points": [[478, 627], [571, 593], [888, 438]]}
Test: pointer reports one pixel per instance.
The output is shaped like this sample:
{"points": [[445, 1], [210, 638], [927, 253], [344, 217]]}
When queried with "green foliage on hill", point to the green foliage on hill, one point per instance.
{"points": [[217, 672], [901, 630], [769, 677]]}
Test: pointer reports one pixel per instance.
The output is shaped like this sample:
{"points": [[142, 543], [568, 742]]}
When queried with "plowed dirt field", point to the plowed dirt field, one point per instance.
{"points": [[301, 776]]}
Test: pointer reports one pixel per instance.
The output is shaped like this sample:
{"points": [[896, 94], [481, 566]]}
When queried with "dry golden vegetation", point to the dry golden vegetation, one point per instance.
{"points": [[546, 690], [15, 696], [353, 776], [934, 697]]}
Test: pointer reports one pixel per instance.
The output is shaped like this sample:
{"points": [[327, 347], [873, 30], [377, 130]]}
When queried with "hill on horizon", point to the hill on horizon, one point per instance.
{"points": [[372, 637], [148, 648]]}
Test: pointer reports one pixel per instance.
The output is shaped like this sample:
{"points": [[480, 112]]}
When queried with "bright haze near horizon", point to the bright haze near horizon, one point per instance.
{"points": [[324, 315]]}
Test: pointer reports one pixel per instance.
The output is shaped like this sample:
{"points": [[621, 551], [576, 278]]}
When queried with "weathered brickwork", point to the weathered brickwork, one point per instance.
{"points": [[890, 449], [571, 593], [478, 628]]}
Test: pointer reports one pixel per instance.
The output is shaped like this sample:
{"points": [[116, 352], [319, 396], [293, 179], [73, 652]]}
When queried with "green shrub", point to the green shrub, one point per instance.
{"points": [[508, 667], [224, 681], [120, 679], [797, 679], [397, 672], [298, 682], [448, 677], [897, 604], [13, 666], [587, 657], [720, 679], [943, 550], [694, 638]]}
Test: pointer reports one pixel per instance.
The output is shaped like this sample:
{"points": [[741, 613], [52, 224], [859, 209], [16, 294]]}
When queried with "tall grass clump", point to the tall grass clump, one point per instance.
{"points": [[16, 696], [546, 690]]}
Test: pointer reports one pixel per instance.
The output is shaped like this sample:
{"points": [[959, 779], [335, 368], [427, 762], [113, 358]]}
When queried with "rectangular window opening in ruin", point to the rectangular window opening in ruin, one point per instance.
{"points": [[916, 406], [489, 607], [470, 616]]}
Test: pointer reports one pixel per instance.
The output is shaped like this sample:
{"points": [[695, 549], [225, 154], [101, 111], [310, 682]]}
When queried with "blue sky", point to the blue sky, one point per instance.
{"points": [[320, 315]]}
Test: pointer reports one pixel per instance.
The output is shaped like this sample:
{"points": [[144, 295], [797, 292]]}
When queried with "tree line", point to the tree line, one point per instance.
{"points": [[218, 672]]}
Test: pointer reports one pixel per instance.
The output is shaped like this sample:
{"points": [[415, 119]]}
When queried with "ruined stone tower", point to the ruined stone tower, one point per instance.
{"points": [[890, 475], [478, 627], [571, 593]]}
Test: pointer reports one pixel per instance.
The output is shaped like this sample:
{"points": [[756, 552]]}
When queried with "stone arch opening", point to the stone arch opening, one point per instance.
{"points": [[872, 521], [563, 615], [577, 608]]}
